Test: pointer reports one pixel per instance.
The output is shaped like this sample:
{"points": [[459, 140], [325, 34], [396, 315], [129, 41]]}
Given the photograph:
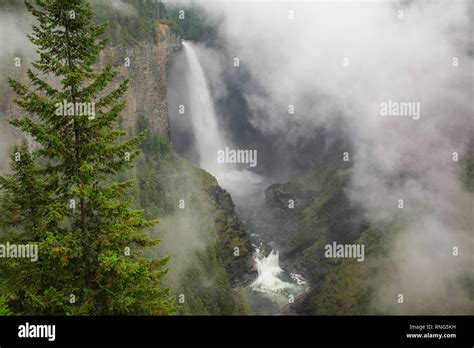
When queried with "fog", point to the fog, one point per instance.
{"points": [[13, 29], [117, 5]]}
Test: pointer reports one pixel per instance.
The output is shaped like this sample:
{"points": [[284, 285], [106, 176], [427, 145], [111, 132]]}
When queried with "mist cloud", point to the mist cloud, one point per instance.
{"points": [[119, 6], [13, 30]]}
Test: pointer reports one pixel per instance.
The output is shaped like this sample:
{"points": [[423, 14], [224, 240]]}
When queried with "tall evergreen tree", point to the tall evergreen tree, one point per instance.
{"points": [[62, 195]]}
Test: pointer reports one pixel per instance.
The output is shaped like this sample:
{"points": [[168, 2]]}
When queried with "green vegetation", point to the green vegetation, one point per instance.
{"points": [[130, 21], [349, 286], [135, 21], [4, 310], [322, 216], [195, 26], [200, 237], [338, 286], [61, 195]]}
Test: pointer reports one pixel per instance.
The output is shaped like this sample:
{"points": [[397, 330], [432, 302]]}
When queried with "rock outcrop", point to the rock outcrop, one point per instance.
{"points": [[145, 64], [147, 72]]}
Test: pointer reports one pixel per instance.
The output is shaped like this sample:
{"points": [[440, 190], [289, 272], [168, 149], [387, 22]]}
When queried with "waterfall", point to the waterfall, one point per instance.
{"points": [[268, 269], [210, 137], [203, 116]]}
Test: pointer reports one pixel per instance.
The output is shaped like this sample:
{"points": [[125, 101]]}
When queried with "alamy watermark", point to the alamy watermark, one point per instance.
{"points": [[27, 251], [345, 251], [37, 331], [75, 109], [237, 156], [401, 109]]}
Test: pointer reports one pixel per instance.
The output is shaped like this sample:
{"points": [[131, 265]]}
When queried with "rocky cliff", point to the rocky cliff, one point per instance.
{"points": [[146, 96], [145, 64]]}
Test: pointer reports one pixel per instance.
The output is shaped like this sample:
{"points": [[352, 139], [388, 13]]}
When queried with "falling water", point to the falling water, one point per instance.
{"points": [[210, 138], [203, 116], [268, 270]]}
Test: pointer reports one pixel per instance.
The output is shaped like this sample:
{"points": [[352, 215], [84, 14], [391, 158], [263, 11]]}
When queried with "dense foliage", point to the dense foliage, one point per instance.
{"points": [[195, 25], [130, 21]]}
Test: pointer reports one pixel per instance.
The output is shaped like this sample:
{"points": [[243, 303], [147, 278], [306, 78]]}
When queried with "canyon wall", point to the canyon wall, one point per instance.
{"points": [[147, 71]]}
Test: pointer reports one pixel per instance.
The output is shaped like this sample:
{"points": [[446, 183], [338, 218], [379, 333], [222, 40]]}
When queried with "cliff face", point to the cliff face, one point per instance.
{"points": [[147, 71]]}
